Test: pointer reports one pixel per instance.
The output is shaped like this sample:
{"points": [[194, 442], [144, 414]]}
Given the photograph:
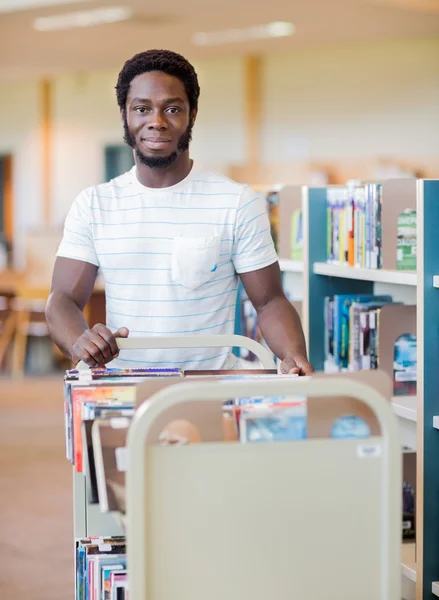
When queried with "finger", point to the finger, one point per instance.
{"points": [[122, 332], [101, 344], [294, 371], [287, 365], [109, 338], [306, 369], [89, 345], [82, 355]]}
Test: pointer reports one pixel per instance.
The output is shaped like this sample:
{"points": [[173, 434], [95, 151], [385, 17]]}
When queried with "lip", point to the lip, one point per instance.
{"points": [[156, 143]]}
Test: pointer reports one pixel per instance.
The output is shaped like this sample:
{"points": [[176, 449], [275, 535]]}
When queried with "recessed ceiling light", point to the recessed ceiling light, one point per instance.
{"points": [[16, 5], [85, 18], [257, 32]]}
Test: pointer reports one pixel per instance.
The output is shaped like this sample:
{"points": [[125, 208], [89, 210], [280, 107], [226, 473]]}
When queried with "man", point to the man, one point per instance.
{"points": [[170, 239]]}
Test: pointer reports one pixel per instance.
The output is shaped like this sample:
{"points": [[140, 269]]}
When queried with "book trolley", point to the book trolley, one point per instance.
{"points": [[313, 518]]}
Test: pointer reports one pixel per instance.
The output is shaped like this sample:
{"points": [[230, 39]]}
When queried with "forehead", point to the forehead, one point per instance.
{"points": [[155, 85]]}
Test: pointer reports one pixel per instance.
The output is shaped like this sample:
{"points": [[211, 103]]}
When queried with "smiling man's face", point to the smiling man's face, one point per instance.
{"points": [[158, 121]]}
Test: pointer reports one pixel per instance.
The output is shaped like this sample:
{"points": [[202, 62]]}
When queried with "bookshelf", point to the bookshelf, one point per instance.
{"points": [[405, 407], [408, 562], [290, 266], [376, 275], [418, 415]]}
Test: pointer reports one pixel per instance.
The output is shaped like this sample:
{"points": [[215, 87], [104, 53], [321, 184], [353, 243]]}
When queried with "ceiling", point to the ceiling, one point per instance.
{"points": [[26, 53]]}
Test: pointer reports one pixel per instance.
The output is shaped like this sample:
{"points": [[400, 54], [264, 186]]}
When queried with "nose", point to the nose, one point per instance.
{"points": [[157, 122]]}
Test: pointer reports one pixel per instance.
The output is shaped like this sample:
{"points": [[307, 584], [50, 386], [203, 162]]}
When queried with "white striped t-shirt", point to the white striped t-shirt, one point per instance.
{"points": [[170, 258]]}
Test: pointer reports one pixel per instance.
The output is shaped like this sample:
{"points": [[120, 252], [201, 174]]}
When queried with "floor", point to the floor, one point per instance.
{"points": [[36, 530]]}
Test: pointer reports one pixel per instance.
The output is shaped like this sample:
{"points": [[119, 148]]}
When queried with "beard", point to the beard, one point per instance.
{"points": [[158, 162]]}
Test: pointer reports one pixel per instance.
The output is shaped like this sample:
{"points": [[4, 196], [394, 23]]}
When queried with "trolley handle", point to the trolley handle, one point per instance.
{"points": [[195, 341]]}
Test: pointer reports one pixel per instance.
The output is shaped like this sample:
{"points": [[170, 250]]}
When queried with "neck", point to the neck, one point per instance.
{"points": [[160, 178]]}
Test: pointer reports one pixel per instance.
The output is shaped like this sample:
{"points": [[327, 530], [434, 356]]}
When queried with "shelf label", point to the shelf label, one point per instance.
{"points": [[369, 450]]}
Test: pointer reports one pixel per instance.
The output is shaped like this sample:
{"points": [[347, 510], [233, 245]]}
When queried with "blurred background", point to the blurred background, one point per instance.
{"points": [[291, 92]]}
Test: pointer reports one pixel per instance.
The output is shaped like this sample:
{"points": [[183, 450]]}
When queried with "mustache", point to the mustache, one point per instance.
{"points": [[183, 142]]}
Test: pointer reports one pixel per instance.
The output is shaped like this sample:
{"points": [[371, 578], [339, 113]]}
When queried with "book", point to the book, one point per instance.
{"points": [[406, 241], [296, 243], [354, 225]]}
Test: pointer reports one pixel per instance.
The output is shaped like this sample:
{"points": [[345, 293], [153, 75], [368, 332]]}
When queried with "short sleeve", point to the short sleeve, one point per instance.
{"points": [[77, 242], [253, 246]]}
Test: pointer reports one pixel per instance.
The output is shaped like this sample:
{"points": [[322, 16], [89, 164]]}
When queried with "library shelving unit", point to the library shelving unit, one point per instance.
{"points": [[418, 415], [201, 517]]}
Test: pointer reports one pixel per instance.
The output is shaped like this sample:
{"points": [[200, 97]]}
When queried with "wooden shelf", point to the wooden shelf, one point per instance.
{"points": [[408, 563], [405, 407], [377, 275], [290, 266]]}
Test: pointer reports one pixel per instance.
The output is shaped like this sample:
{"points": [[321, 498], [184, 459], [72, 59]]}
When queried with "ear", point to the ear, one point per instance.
{"points": [[194, 113], [122, 113]]}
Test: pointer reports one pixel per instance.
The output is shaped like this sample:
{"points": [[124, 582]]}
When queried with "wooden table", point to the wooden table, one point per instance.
{"points": [[10, 281]]}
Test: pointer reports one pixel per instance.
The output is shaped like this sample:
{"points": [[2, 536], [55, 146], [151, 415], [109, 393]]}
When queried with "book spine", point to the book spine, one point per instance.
{"points": [[351, 229], [365, 339], [355, 338], [338, 240], [342, 231], [363, 228], [367, 227], [326, 326], [377, 337], [379, 227], [329, 226], [373, 255], [372, 326], [337, 328]]}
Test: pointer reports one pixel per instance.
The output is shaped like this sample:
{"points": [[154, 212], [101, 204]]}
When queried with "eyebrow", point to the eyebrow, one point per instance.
{"points": [[147, 100]]}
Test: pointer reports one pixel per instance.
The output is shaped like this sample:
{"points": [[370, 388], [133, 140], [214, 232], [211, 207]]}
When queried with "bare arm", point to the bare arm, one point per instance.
{"points": [[278, 319], [72, 285]]}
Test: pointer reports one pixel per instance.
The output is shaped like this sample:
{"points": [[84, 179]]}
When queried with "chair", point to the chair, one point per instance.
{"points": [[7, 326]]}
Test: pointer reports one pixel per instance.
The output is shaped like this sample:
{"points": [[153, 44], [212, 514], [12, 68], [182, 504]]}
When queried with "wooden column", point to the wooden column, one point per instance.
{"points": [[8, 199], [253, 108]]}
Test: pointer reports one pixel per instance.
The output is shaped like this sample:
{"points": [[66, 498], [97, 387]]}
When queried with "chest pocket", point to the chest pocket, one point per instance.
{"points": [[194, 260]]}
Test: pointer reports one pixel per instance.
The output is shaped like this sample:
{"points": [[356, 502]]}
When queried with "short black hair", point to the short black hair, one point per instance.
{"points": [[165, 61]]}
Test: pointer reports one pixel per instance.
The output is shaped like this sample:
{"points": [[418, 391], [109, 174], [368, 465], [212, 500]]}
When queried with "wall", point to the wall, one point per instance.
{"points": [[352, 102], [86, 118], [20, 136]]}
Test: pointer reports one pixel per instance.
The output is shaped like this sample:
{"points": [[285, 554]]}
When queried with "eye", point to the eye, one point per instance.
{"points": [[140, 109], [173, 110]]}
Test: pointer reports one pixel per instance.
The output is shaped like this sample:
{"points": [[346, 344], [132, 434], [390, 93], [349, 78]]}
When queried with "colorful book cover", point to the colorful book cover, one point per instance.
{"points": [[356, 312], [116, 394], [296, 243], [406, 241], [118, 583], [273, 424], [405, 365], [342, 304], [105, 578]]}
